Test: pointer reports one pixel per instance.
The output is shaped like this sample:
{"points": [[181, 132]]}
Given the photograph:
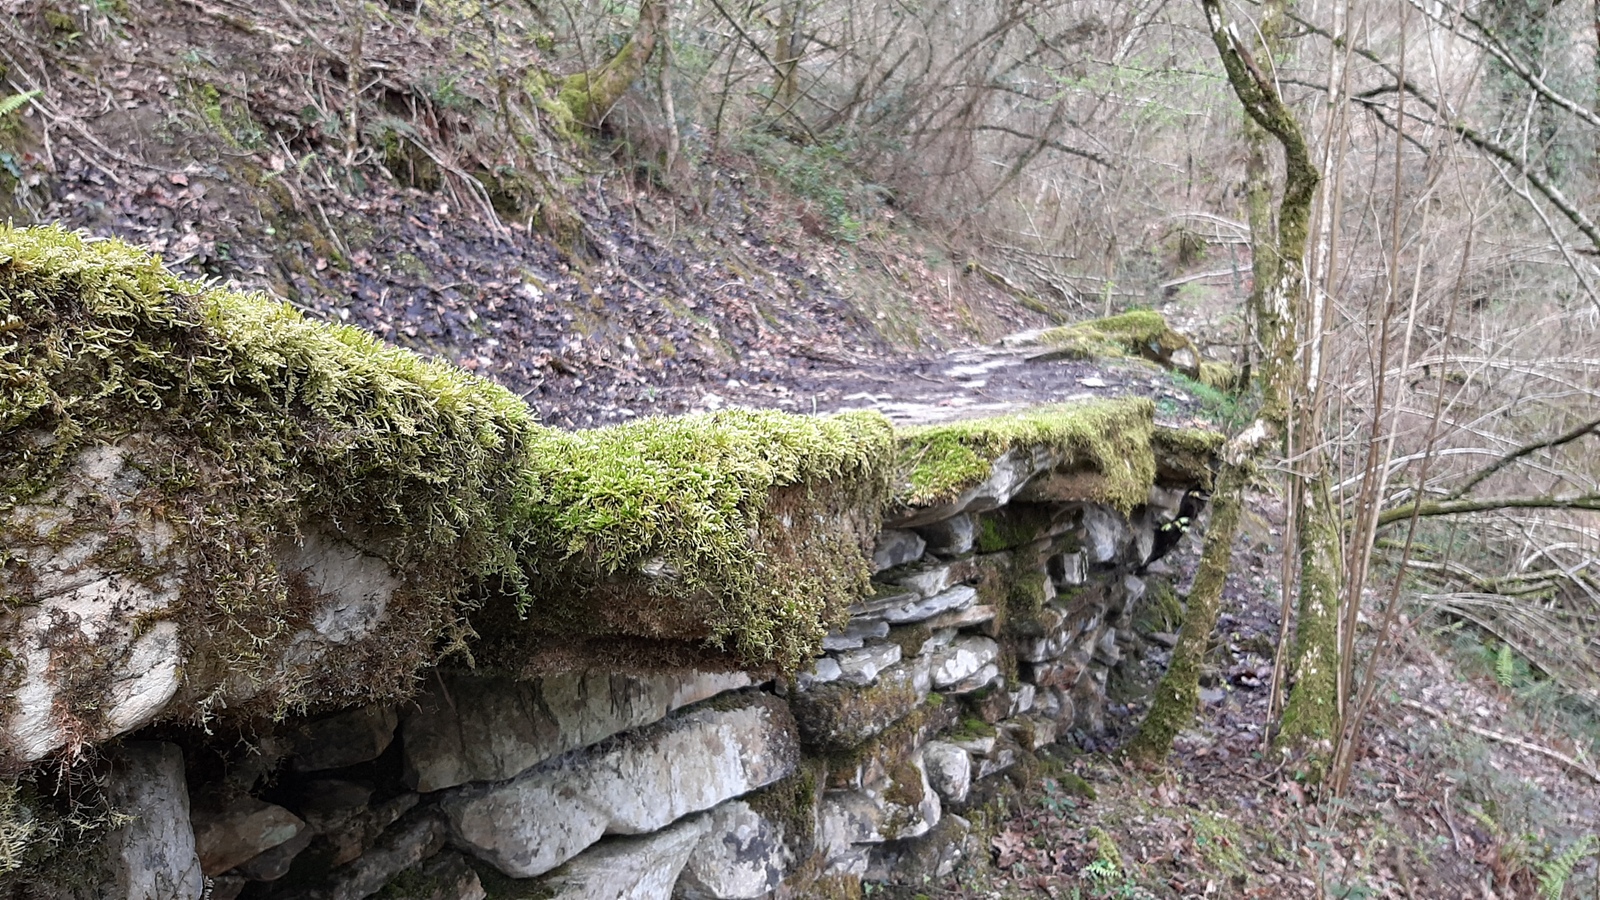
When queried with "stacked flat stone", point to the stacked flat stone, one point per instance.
{"points": [[994, 624]]}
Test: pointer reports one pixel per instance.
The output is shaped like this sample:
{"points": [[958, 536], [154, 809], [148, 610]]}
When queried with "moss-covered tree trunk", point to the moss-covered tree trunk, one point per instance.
{"points": [[1311, 718], [1178, 695], [590, 94], [1276, 301]]}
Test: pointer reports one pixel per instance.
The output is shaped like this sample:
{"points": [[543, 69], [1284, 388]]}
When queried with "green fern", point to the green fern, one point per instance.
{"points": [[1553, 876], [15, 102], [1505, 667]]}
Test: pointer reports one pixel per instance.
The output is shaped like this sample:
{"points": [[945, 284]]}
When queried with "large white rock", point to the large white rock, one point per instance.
{"points": [[153, 856], [861, 666], [629, 868], [471, 728], [949, 770], [741, 856], [962, 659], [638, 784], [88, 624]]}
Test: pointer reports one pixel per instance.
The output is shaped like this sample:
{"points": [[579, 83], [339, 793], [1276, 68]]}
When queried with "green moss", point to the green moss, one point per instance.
{"points": [[1076, 785], [675, 508], [792, 804], [1029, 591], [1161, 610], [1218, 375], [1138, 333], [972, 728], [1186, 455], [937, 462], [1014, 525], [248, 421]]}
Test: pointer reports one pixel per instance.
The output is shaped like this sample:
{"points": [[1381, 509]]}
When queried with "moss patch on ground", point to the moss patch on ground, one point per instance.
{"points": [[937, 462], [1139, 333]]}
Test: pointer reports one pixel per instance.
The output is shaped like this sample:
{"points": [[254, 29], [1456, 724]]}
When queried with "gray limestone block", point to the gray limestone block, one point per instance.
{"points": [[949, 770], [473, 728], [446, 876], [742, 855], [963, 659], [629, 868], [884, 812], [824, 669], [228, 835], [926, 580], [950, 537], [635, 785], [959, 597], [919, 860], [861, 666], [1022, 698], [411, 840], [1067, 569], [855, 633], [152, 857], [839, 716], [1105, 535], [896, 547], [988, 676], [343, 739]]}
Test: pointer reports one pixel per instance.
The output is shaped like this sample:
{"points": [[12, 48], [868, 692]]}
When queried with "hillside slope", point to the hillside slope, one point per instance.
{"points": [[448, 210]]}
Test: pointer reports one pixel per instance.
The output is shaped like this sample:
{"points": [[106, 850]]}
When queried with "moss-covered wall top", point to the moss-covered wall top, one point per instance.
{"points": [[209, 502]]}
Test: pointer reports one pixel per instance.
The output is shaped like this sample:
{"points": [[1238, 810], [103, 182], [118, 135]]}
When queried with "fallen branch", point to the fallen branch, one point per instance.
{"points": [[1454, 507], [1557, 755]]}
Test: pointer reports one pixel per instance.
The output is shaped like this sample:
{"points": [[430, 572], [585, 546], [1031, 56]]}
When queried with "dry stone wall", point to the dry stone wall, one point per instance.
{"points": [[286, 614], [995, 621]]}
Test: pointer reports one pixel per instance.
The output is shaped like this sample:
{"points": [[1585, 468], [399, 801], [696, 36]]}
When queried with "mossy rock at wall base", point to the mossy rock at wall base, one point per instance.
{"points": [[840, 716]]}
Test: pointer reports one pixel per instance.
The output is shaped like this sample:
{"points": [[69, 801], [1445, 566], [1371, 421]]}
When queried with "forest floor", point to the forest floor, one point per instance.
{"points": [[1457, 791]]}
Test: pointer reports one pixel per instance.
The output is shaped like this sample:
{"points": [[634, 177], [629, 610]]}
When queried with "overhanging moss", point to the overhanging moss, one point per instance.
{"points": [[741, 532], [246, 422], [751, 523], [1185, 455], [937, 462]]}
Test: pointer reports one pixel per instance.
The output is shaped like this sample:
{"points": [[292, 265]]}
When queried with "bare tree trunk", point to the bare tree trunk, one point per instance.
{"points": [[786, 53]]}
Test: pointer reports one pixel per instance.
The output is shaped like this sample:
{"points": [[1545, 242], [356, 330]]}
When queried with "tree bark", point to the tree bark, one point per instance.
{"points": [[589, 95], [1276, 302]]}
